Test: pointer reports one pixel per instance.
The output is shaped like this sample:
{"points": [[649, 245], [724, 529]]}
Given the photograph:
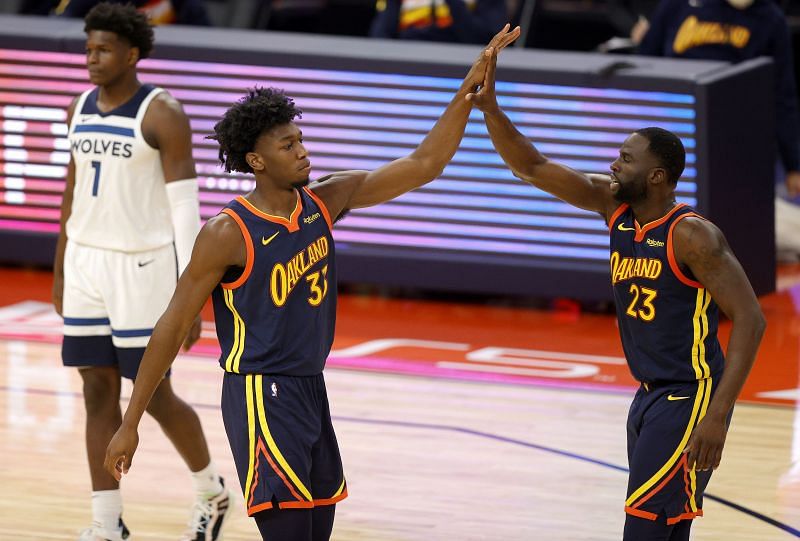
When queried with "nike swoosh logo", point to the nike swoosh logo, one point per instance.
{"points": [[671, 397], [267, 241], [622, 227], [144, 263]]}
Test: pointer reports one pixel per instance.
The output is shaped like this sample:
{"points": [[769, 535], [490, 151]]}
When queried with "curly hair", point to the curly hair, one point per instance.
{"points": [[123, 20], [256, 113], [668, 148]]}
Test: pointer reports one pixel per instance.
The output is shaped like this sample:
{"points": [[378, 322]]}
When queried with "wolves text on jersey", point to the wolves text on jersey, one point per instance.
{"points": [[101, 147]]}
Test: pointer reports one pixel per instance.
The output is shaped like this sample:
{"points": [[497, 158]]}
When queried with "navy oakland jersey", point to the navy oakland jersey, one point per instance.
{"points": [[667, 319], [277, 315]]}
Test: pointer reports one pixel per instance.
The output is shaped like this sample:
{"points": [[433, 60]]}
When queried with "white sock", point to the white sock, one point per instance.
{"points": [[106, 508], [207, 483]]}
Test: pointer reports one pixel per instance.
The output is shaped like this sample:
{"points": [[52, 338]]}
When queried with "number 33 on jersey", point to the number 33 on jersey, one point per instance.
{"points": [[287, 282]]}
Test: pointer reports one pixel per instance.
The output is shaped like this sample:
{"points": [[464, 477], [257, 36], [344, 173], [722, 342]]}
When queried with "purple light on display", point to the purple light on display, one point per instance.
{"points": [[488, 246], [357, 120]]}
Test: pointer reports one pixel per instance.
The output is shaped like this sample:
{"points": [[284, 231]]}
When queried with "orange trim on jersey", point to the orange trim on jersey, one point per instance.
{"points": [[673, 263], [641, 514], [290, 224], [616, 214], [286, 482], [295, 505], [248, 243], [321, 206], [640, 231], [251, 509], [681, 464], [684, 516], [260, 507], [331, 501]]}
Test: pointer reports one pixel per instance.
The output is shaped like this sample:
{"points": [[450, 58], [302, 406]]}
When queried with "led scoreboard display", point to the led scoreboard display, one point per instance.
{"points": [[476, 228]]}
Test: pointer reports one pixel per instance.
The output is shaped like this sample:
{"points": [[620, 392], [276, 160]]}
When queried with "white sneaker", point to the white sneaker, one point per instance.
{"points": [[96, 533], [208, 517]]}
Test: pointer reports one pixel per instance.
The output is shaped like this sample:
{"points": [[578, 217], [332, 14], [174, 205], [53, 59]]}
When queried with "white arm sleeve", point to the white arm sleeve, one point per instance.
{"points": [[185, 209]]}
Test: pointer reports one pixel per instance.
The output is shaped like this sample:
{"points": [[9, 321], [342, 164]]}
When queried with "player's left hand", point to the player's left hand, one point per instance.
{"points": [[120, 451], [194, 334], [499, 42], [704, 448]]}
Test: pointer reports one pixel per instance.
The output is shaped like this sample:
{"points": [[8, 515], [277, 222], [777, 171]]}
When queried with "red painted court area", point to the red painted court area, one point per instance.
{"points": [[559, 348]]}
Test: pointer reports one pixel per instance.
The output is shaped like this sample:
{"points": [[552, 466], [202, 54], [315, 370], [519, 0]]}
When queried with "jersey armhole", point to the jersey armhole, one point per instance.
{"points": [[78, 108], [616, 214], [248, 242], [673, 262], [321, 206]]}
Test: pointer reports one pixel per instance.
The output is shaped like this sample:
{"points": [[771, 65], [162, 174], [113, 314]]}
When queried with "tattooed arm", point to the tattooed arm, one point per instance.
{"points": [[701, 247]]}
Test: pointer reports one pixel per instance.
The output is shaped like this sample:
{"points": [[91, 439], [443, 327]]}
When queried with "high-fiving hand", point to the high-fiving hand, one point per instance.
{"points": [[485, 98], [488, 57]]}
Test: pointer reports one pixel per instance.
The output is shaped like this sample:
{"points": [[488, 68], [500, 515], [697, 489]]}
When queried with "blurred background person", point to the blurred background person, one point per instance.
{"points": [[191, 12], [734, 31], [458, 21]]}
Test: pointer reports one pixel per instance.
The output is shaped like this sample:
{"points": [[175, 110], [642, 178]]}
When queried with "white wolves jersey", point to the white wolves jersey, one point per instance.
{"points": [[120, 200]]}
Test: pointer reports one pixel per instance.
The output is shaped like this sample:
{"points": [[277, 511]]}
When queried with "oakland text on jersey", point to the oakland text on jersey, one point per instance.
{"points": [[102, 147], [285, 276], [625, 268]]}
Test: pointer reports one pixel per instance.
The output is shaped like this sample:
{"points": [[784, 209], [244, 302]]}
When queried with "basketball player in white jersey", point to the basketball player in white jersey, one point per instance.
{"points": [[129, 217]]}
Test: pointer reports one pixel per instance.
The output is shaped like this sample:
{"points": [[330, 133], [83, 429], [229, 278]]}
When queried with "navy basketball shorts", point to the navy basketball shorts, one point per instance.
{"points": [[281, 436], [111, 303], [660, 421]]}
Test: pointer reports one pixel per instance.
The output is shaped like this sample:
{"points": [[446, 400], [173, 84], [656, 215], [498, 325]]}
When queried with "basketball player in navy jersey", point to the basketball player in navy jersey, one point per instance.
{"points": [[671, 270], [129, 215], [268, 261]]}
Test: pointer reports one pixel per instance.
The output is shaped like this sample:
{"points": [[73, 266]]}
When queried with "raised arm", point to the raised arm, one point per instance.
{"points": [[356, 189], [219, 246], [166, 127], [590, 192], [701, 246]]}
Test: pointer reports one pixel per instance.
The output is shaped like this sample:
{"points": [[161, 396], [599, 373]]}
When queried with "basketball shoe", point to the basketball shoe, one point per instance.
{"points": [[96, 533], [208, 517]]}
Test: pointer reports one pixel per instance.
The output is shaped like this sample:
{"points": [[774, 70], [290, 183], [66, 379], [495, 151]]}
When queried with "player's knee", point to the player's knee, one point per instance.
{"points": [[101, 388]]}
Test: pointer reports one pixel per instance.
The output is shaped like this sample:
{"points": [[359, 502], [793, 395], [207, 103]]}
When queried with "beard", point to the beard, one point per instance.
{"points": [[631, 192], [301, 183]]}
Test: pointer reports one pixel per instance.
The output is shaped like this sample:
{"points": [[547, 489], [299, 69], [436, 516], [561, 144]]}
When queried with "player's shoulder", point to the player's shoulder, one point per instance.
{"points": [[165, 106], [697, 233]]}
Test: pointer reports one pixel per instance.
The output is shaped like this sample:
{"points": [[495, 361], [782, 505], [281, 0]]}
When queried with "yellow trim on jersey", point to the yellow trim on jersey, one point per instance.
{"points": [[251, 432], [700, 325], [235, 355], [700, 404], [273, 447], [692, 473], [341, 488]]}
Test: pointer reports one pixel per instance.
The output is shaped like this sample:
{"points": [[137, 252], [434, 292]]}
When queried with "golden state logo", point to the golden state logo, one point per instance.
{"points": [[625, 268], [285, 277], [310, 219], [696, 33]]}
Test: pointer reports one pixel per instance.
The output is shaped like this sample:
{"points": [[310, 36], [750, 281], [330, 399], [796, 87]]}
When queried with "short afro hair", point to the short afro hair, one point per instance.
{"points": [[123, 20], [668, 149], [256, 113]]}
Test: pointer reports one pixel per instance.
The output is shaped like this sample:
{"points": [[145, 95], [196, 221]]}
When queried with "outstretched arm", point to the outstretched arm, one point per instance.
{"points": [[590, 192], [219, 246], [356, 189], [701, 246]]}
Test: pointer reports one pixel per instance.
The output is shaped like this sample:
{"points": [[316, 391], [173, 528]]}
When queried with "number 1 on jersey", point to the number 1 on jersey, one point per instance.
{"points": [[96, 183]]}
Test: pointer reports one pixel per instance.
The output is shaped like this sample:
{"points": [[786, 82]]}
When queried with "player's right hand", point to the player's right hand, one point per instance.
{"points": [[500, 41], [120, 450], [485, 98]]}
